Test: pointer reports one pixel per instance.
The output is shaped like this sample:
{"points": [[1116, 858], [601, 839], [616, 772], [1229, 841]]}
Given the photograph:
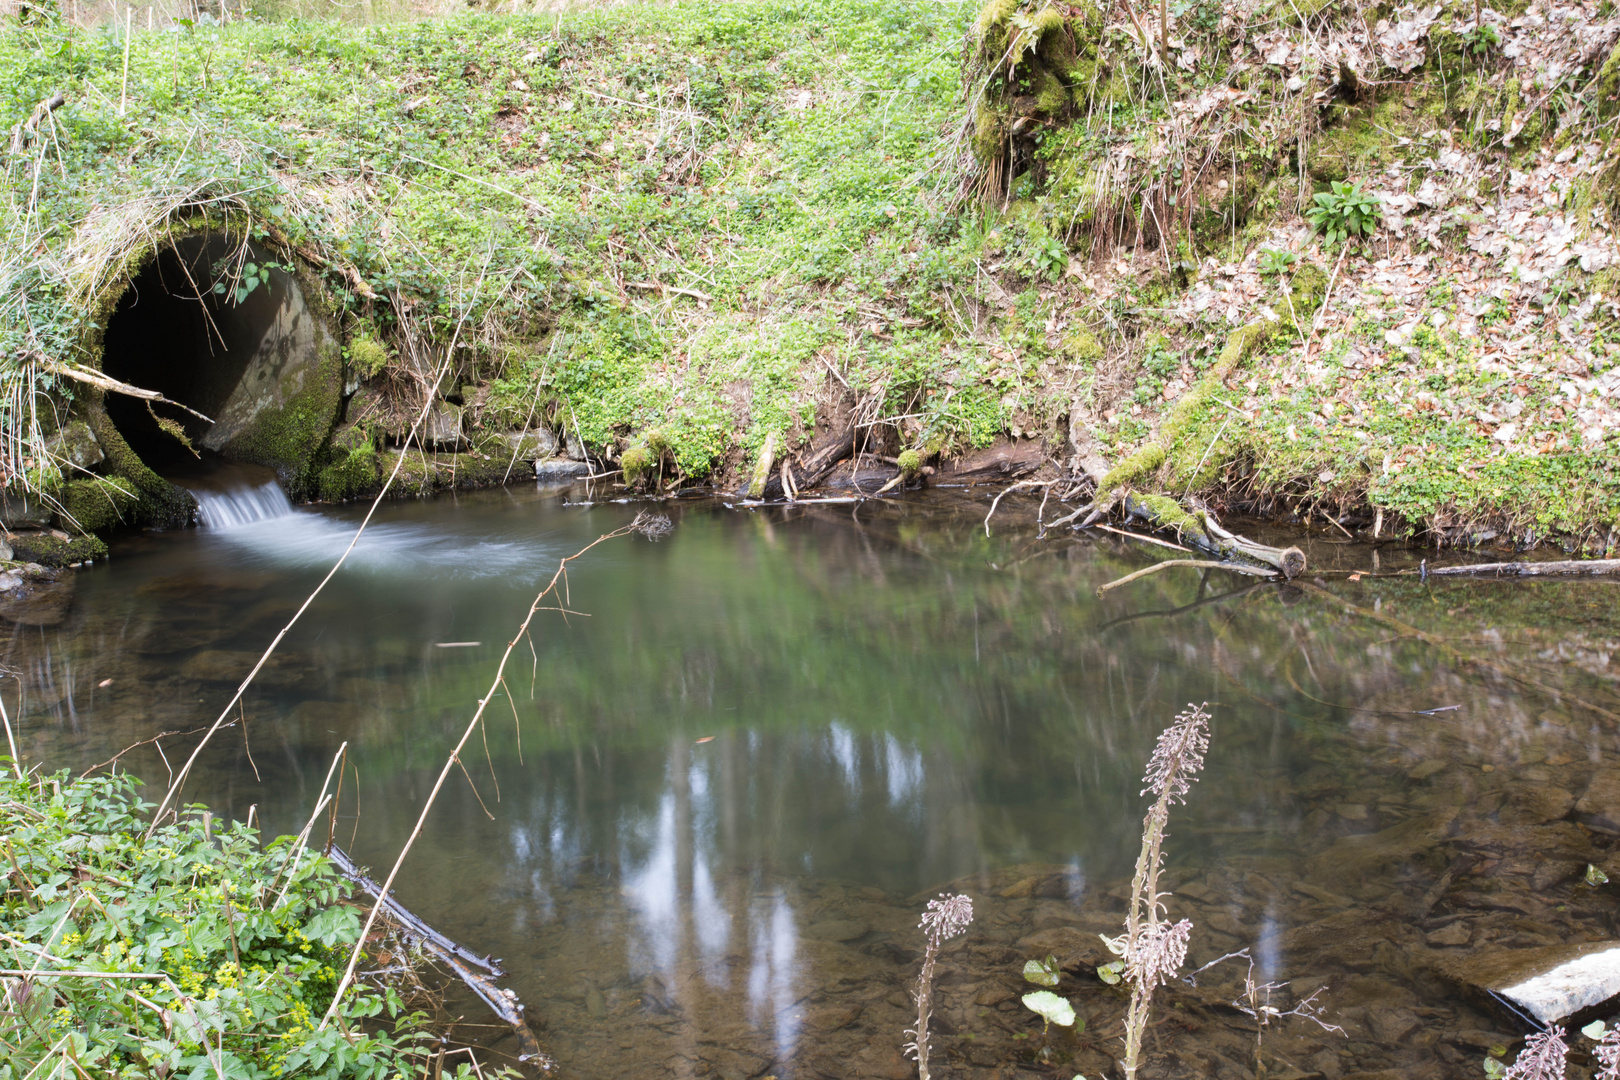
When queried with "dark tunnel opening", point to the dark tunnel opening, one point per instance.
{"points": [[183, 329]]}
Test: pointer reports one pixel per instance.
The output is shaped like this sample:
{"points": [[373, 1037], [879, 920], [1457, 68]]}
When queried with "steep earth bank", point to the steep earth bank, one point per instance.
{"points": [[684, 244]]}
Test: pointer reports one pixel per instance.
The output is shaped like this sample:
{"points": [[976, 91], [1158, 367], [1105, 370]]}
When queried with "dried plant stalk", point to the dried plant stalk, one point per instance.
{"points": [[944, 918], [1153, 949]]}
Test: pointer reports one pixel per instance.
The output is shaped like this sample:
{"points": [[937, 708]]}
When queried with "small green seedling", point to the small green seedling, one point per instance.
{"points": [[1112, 973], [1481, 38], [1344, 212], [1050, 1008], [1049, 257], [1494, 1070], [1595, 1030], [1274, 261], [1043, 972], [1595, 877]]}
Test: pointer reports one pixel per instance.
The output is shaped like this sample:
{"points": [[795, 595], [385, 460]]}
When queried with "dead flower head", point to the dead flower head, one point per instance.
{"points": [[1179, 755], [1159, 953], [1541, 1059], [653, 526], [947, 917]]}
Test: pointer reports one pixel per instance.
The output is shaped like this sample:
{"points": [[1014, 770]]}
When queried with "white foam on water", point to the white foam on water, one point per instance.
{"points": [[237, 507], [259, 522]]}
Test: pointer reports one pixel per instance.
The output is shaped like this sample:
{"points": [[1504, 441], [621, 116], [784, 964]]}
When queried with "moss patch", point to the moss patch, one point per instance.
{"points": [[48, 550], [102, 503]]}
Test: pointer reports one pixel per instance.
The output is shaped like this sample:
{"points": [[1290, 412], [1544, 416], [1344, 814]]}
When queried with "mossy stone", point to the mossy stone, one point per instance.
{"points": [[48, 550], [101, 503], [637, 463], [1307, 287], [355, 474]]}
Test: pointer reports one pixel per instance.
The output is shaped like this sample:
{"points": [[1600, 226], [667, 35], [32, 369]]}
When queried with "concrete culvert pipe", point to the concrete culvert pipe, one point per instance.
{"points": [[220, 327]]}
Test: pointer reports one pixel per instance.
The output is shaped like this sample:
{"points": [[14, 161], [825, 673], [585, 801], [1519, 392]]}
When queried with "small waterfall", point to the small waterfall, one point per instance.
{"points": [[234, 507]]}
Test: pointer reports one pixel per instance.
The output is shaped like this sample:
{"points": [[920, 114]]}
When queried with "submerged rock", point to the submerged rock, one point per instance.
{"points": [[1599, 805], [1355, 857], [1548, 983]]}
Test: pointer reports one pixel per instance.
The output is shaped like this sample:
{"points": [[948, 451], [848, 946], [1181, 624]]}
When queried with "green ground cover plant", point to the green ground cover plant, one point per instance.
{"points": [[195, 952]]}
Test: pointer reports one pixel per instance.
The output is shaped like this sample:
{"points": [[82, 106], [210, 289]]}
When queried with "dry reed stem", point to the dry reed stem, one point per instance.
{"points": [[454, 759]]}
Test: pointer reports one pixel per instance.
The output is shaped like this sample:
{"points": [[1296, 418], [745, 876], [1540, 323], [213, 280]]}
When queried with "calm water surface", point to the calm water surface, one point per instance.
{"points": [[716, 795]]}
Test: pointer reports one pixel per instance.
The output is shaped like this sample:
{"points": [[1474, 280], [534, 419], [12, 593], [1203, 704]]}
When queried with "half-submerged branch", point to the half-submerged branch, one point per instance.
{"points": [[476, 972], [1197, 528], [1556, 568]]}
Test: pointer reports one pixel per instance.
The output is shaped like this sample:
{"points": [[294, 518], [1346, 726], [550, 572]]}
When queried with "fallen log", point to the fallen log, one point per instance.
{"points": [[813, 468], [476, 972], [1559, 567], [762, 470], [1199, 529]]}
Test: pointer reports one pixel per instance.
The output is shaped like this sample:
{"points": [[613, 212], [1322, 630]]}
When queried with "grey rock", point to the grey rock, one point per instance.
{"points": [[534, 445], [1456, 933], [576, 449], [835, 930], [232, 666], [76, 444], [1536, 804], [442, 428], [1425, 769], [1353, 858], [1392, 1026], [19, 511], [560, 471], [1599, 805]]}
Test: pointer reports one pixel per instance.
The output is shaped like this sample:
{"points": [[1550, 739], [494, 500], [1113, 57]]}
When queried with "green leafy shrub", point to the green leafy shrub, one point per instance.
{"points": [[1344, 212], [200, 952]]}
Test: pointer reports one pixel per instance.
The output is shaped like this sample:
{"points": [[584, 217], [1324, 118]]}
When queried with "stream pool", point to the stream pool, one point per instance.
{"points": [[726, 783]]}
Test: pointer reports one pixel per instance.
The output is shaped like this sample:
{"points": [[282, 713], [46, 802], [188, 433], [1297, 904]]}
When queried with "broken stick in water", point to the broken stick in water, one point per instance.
{"points": [[477, 972]]}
